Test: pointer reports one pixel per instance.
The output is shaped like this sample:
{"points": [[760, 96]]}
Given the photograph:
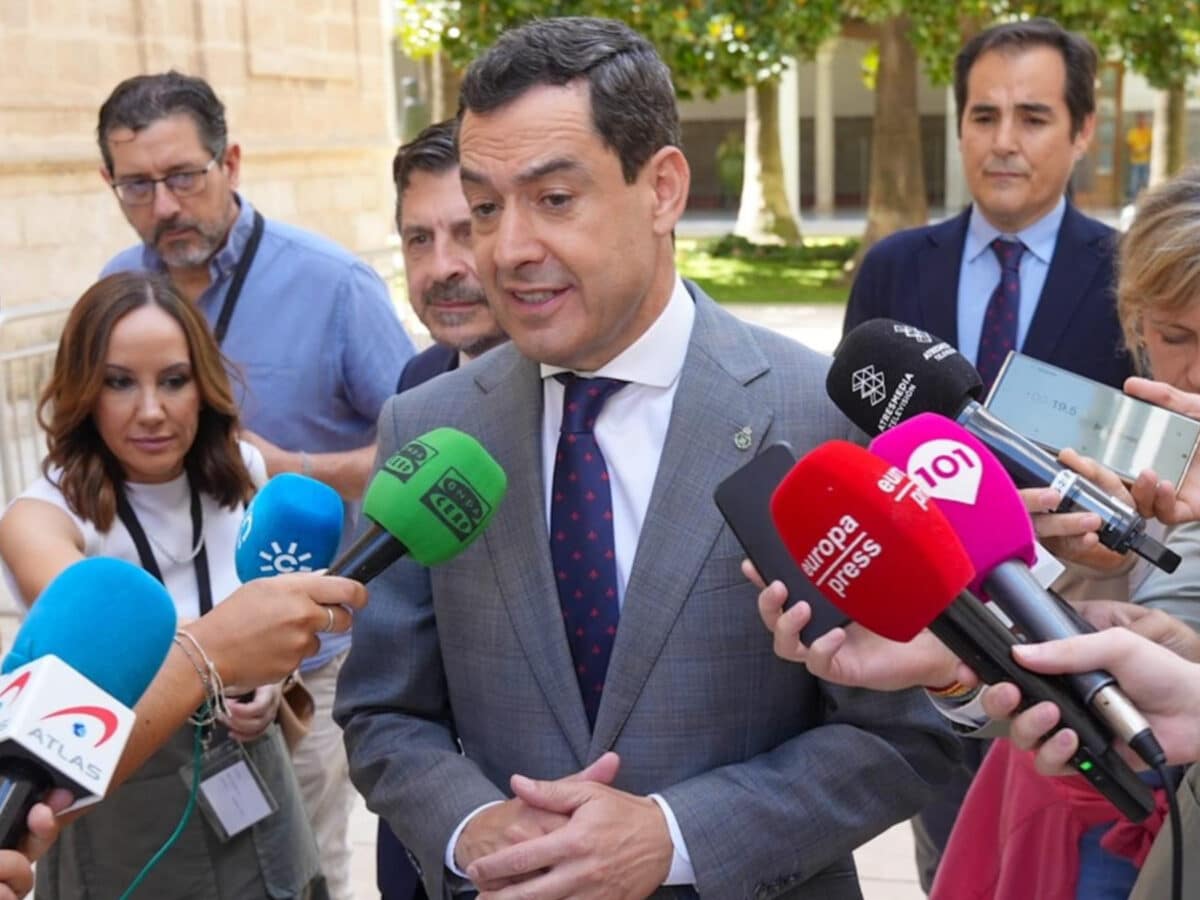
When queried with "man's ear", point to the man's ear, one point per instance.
{"points": [[232, 163], [105, 174], [670, 178]]}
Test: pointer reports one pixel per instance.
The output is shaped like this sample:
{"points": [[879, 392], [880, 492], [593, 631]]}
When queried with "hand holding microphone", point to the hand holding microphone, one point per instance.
{"points": [[1164, 685], [876, 546], [855, 656], [885, 372]]}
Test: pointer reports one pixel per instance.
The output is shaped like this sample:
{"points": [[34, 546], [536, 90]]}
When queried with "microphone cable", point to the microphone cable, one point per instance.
{"points": [[1172, 789]]}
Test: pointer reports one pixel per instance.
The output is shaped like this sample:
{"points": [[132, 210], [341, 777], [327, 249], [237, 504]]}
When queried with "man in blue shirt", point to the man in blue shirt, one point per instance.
{"points": [[310, 329]]}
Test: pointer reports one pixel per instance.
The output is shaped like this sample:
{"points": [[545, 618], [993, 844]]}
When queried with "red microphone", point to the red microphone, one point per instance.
{"points": [[876, 545]]}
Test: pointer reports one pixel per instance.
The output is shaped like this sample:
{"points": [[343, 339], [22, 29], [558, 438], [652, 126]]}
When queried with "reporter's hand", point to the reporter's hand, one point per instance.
{"points": [[1075, 536], [1152, 624], [249, 719], [262, 631], [854, 656], [16, 870], [1163, 685], [1160, 499]]}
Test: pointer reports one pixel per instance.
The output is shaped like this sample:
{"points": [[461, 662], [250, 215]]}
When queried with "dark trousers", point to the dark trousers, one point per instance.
{"points": [[395, 875], [933, 824]]}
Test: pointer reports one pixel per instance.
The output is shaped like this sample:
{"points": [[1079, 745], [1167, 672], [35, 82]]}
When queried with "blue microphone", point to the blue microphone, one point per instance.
{"points": [[293, 524], [90, 646]]}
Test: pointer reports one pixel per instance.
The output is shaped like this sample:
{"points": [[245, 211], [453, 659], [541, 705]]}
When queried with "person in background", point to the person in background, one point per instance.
{"points": [[1020, 269], [1138, 141], [439, 267], [310, 327]]}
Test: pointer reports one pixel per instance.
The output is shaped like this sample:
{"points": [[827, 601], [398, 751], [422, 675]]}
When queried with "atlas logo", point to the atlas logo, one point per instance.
{"points": [[281, 561], [406, 461], [458, 505], [868, 383], [915, 334], [841, 556], [105, 717]]}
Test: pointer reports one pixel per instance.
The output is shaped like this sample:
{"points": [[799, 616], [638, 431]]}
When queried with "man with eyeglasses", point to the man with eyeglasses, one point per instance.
{"points": [[310, 328]]}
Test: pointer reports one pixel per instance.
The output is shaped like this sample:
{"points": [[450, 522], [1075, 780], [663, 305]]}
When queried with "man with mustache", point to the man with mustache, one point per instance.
{"points": [[435, 236], [310, 329], [434, 223], [1020, 268]]}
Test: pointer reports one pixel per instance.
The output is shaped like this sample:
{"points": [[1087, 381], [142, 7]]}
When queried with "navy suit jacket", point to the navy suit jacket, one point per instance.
{"points": [[428, 363], [912, 276]]}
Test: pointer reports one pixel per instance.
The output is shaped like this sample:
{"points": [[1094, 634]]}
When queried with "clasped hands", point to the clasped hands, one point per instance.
{"points": [[574, 837]]}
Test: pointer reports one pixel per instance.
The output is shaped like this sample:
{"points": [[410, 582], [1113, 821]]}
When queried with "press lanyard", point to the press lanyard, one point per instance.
{"points": [[129, 519], [239, 276]]}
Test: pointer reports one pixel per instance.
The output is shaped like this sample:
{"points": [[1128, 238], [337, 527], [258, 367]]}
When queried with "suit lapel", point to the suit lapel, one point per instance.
{"points": [[517, 542], [1077, 255], [938, 265], [711, 406]]}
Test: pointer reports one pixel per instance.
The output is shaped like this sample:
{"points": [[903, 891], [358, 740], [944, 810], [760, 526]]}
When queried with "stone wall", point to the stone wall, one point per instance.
{"points": [[307, 88]]}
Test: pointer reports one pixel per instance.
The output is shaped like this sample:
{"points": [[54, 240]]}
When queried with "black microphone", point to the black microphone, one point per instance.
{"points": [[885, 372]]}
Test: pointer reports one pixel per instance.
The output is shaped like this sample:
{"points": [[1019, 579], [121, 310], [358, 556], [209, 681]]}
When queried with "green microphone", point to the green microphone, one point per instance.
{"points": [[432, 498]]}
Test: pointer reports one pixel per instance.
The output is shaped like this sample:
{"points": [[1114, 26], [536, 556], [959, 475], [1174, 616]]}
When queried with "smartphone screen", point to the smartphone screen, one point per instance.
{"points": [[1057, 409]]}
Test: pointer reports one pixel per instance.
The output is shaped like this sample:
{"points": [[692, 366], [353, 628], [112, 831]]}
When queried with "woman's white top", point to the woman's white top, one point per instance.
{"points": [[164, 512]]}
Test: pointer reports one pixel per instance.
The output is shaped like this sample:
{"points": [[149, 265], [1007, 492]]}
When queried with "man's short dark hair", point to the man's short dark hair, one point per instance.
{"points": [[633, 100], [139, 102], [432, 151], [1078, 55]]}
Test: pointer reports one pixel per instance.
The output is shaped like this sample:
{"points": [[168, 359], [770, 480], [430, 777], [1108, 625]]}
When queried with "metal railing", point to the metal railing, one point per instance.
{"points": [[26, 361]]}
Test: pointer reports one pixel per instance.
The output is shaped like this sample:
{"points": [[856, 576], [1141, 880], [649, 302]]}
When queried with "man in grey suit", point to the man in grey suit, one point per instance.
{"points": [[604, 608]]}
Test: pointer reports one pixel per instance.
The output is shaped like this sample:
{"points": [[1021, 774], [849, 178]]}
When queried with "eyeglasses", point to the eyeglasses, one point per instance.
{"points": [[181, 184]]}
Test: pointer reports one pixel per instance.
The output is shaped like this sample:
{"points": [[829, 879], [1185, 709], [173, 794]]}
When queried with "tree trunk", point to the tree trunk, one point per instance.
{"points": [[764, 214], [897, 190], [445, 81], [1176, 137]]}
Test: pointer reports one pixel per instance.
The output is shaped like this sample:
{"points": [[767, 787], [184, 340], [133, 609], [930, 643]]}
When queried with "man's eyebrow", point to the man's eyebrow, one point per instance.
{"points": [[541, 170]]}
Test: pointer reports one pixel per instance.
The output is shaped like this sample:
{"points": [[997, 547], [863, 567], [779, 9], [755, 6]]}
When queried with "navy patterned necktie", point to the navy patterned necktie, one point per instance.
{"points": [[999, 333], [582, 548]]}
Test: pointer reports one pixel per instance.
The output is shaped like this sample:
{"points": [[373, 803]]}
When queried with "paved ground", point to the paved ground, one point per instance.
{"points": [[885, 864]]}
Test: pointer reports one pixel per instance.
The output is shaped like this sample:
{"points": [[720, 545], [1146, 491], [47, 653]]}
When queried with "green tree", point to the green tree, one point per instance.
{"points": [[710, 47]]}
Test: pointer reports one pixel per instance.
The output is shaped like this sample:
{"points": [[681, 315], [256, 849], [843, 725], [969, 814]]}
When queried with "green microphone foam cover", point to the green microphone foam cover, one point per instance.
{"points": [[436, 494]]}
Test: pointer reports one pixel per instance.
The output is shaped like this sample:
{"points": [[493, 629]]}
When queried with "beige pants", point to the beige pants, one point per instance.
{"points": [[324, 777], [1154, 881]]}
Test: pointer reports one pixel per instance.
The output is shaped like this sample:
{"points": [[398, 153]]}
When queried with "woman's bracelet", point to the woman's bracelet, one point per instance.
{"points": [[210, 678]]}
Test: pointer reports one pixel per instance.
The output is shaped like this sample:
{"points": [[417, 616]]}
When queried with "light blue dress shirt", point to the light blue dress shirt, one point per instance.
{"points": [[979, 274], [315, 344]]}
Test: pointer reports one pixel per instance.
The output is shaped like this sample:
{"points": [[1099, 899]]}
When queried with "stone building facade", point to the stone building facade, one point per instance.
{"points": [[307, 88]]}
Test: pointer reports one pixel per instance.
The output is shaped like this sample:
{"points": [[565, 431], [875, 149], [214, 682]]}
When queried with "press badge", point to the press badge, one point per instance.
{"points": [[232, 795]]}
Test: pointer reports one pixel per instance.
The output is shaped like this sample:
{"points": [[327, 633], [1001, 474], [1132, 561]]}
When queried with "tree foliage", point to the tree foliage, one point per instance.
{"points": [[711, 47]]}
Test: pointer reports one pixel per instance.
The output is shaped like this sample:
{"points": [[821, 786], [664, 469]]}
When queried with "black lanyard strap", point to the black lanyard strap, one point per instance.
{"points": [[239, 276], [130, 520]]}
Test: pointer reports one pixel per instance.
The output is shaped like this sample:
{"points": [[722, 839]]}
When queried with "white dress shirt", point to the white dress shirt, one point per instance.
{"points": [[630, 431]]}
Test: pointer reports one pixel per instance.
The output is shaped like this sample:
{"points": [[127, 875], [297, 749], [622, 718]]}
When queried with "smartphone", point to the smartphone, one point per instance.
{"points": [[1056, 409], [744, 499]]}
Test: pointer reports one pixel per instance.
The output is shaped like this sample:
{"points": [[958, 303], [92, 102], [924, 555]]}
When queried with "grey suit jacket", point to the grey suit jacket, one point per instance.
{"points": [[773, 776]]}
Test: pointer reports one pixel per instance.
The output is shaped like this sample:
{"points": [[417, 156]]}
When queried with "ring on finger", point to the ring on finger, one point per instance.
{"points": [[328, 629]]}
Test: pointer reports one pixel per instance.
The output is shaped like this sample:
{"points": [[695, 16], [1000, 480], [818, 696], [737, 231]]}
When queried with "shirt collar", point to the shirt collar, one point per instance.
{"points": [[655, 358], [1038, 238], [226, 258]]}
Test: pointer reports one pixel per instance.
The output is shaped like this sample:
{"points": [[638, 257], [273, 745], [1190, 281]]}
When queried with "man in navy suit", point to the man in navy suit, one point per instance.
{"points": [[1026, 114], [439, 268]]}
